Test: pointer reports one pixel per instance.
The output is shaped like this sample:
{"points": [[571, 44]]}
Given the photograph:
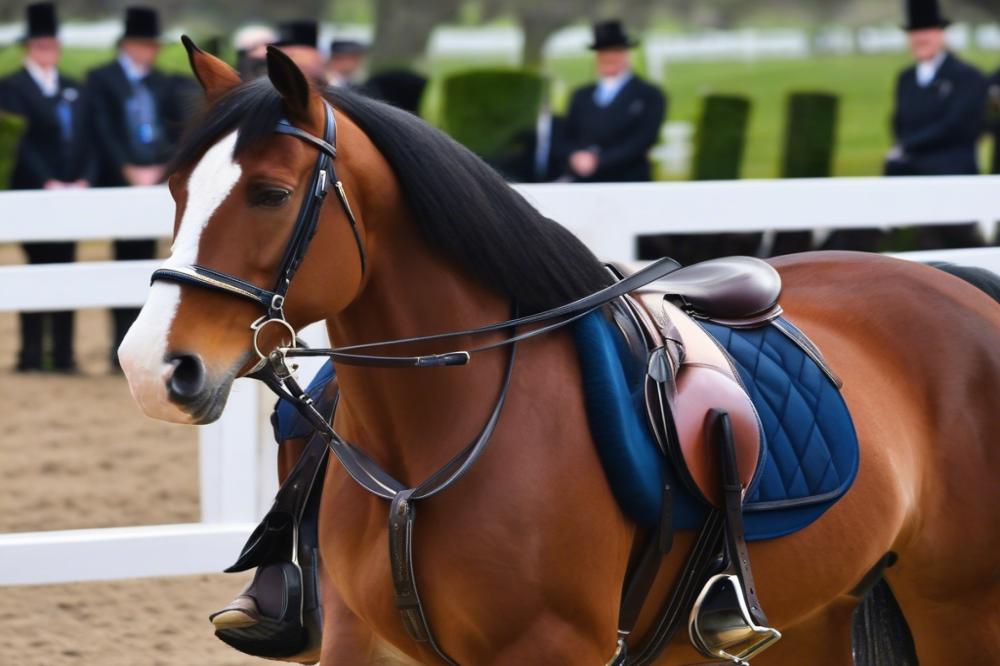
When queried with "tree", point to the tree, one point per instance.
{"points": [[403, 28]]}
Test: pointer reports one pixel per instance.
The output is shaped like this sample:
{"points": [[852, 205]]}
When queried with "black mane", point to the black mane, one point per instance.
{"points": [[460, 204]]}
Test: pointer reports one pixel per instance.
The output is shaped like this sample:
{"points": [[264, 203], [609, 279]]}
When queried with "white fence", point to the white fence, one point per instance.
{"points": [[237, 468]]}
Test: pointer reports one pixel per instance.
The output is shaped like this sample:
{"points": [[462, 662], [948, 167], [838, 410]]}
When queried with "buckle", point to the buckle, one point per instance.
{"points": [[720, 624], [277, 303]]}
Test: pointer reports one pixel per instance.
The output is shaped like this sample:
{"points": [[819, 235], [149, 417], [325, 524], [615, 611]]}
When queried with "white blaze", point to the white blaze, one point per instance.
{"points": [[144, 348]]}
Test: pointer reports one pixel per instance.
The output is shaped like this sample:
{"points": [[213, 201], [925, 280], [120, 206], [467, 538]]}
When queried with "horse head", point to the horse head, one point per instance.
{"points": [[240, 185]]}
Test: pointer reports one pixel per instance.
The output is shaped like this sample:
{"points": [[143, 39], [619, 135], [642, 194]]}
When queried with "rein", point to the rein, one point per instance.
{"points": [[272, 369]]}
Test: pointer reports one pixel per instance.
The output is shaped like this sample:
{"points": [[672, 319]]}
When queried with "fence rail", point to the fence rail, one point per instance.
{"points": [[236, 455]]}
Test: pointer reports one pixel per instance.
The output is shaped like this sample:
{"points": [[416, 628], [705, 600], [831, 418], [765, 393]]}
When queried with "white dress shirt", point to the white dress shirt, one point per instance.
{"points": [[928, 69], [609, 87], [133, 72], [47, 79]]}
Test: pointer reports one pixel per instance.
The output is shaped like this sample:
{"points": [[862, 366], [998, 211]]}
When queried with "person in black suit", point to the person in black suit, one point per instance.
{"points": [[54, 154], [347, 59], [613, 123], [538, 155], [938, 118], [299, 40], [993, 117], [137, 114]]}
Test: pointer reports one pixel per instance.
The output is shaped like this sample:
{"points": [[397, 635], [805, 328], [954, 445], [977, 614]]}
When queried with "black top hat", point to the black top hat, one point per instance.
{"points": [[923, 14], [347, 47], [298, 33], [611, 35], [401, 88], [42, 21], [141, 23]]}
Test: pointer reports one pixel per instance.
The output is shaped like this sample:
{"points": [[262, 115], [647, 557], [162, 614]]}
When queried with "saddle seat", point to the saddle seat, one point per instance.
{"points": [[743, 290]]}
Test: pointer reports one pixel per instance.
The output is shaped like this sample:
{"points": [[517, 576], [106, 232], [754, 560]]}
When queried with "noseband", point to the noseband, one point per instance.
{"points": [[324, 176]]}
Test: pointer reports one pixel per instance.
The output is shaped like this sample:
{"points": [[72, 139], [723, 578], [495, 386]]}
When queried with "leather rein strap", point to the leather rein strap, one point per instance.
{"points": [[370, 476], [324, 176]]}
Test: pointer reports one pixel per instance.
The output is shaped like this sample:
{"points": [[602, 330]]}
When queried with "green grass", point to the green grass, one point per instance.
{"points": [[863, 82]]}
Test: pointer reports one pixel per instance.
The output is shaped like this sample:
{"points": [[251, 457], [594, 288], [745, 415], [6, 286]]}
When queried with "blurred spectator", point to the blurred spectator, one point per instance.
{"points": [[298, 39], [401, 88], [938, 117], [612, 124], [54, 154], [251, 44], [137, 113], [347, 59], [538, 156]]}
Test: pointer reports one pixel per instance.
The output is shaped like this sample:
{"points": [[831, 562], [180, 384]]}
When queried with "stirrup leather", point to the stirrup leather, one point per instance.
{"points": [[726, 620], [721, 626]]}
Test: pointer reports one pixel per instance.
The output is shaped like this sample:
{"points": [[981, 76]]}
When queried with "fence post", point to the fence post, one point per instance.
{"points": [[229, 455]]}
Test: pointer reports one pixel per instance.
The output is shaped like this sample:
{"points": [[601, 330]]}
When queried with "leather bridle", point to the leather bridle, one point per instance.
{"points": [[273, 370], [324, 176]]}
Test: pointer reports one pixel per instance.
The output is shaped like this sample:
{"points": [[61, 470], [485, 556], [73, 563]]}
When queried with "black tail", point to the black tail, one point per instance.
{"points": [[881, 636], [984, 280]]}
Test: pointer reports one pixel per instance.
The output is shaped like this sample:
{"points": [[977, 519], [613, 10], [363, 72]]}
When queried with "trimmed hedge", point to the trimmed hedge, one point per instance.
{"points": [[486, 109], [11, 129], [810, 135], [721, 137]]}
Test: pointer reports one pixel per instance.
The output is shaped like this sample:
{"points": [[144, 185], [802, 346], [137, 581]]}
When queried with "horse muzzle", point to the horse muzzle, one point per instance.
{"points": [[190, 387]]}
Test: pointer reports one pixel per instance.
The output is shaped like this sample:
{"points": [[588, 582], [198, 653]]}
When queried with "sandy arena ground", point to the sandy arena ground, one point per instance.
{"points": [[75, 452]]}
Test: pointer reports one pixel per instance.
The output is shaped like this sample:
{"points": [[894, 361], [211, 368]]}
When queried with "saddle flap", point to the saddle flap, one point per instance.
{"points": [[700, 389], [705, 380]]}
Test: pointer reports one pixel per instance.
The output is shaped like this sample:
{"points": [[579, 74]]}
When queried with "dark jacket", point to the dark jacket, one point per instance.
{"points": [[938, 126], [109, 91], [622, 132], [993, 118], [49, 150], [521, 161]]}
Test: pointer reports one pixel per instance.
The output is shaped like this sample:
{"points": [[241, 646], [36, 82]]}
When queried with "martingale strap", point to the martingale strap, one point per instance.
{"points": [[370, 476]]}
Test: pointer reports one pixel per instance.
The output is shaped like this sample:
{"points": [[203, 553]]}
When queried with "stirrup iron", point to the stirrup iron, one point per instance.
{"points": [[721, 625]]}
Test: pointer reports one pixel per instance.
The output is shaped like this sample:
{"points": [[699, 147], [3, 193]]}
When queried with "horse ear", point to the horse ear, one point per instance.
{"points": [[215, 76], [289, 80]]}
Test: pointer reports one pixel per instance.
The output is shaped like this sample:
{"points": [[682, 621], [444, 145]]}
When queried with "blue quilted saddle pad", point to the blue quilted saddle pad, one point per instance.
{"points": [[810, 454], [811, 451]]}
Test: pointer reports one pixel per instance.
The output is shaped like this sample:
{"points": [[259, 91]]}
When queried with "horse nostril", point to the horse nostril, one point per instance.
{"points": [[187, 381]]}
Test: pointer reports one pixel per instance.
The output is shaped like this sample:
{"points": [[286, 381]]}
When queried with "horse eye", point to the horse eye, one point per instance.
{"points": [[270, 197]]}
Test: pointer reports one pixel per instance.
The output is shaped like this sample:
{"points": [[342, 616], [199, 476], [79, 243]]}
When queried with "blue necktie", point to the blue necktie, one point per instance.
{"points": [[65, 115], [604, 95]]}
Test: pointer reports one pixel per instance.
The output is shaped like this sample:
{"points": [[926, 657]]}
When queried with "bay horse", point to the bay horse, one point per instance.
{"points": [[523, 559]]}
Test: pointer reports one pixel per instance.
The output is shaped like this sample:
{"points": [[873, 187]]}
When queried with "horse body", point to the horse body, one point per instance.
{"points": [[522, 561], [480, 541], [903, 395]]}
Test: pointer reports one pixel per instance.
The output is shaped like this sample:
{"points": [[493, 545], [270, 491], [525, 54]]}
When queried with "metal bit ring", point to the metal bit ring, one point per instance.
{"points": [[259, 326]]}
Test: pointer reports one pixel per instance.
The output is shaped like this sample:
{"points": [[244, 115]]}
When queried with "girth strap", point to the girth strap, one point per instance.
{"points": [[697, 567]]}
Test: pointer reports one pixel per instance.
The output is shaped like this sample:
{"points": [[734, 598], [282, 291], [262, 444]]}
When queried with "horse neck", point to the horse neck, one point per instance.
{"points": [[412, 420]]}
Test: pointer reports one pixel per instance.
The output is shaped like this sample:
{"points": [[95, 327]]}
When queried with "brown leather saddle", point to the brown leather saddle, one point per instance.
{"points": [[699, 377], [708, 428]]}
